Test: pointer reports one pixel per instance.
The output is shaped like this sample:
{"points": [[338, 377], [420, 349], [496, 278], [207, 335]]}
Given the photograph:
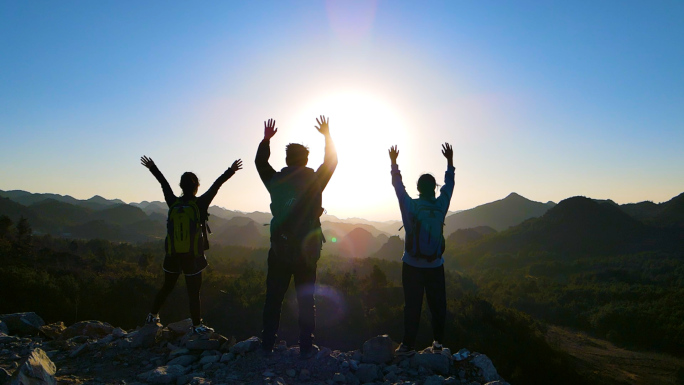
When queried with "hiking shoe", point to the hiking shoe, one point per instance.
{"points": [[436, 347], [404, 350], [202, 329], [306, 352], [152, 319]]}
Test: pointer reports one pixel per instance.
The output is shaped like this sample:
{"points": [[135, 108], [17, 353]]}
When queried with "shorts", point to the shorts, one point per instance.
{"points": [[185, 263]]}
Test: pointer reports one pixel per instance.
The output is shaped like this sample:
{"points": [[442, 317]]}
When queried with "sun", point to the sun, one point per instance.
{"points": [[363, 128]]}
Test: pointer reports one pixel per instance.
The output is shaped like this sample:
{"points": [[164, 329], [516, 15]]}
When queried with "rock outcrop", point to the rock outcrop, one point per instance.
{"points": [[154, 354], [22, 323], [35, 369]]}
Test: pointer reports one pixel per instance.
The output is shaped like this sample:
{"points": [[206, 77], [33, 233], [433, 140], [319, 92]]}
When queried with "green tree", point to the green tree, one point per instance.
{"points": [[145, 260], [23, 240], [5, 225]]}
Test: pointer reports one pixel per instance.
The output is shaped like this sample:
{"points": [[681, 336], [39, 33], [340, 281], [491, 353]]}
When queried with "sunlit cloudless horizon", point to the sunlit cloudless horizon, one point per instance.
{"points": [[546, 100]]}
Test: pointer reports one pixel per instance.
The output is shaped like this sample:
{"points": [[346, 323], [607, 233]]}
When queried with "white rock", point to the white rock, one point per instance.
{"points": [[118, 333], [209, 360], [163, 374], [249, 345], [485, 364], [37, 369], [436, 362], [378, 350], [185, 360], [178, 352], [227, 357]]}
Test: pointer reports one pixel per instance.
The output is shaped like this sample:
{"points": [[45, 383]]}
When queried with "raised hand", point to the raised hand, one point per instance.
{"points": [[269, 129], [448, 153], [323, 127], [237, 165], [147, 162], [393, 154]]}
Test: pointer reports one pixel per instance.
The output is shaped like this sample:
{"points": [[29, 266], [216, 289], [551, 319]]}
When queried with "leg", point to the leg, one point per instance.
{"points": [[277, 281], [305, 284], [414, 287], [194, 283], [169, 283], [435, 291]]}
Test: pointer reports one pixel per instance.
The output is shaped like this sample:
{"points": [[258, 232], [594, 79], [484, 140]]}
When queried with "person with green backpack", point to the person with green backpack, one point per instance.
{"points": [[186, 239], [423, 265]]}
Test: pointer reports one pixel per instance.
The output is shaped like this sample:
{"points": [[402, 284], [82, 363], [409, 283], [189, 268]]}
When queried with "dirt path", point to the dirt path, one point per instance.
{"points": [[608, 364]]}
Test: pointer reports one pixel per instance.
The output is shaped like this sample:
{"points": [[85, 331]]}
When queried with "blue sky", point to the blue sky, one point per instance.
{"points": [[547, 99]]}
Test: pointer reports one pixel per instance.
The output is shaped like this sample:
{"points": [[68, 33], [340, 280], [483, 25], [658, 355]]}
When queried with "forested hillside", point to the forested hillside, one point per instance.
{"points": [[588, 265], [68, 280]]}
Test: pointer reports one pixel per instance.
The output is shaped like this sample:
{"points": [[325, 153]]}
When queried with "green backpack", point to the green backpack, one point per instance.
{"points": [[185, 229]]}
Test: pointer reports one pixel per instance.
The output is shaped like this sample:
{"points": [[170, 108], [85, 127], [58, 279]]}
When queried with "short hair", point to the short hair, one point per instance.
{"points": [[296, 154], [426, 184], [189, 183]]}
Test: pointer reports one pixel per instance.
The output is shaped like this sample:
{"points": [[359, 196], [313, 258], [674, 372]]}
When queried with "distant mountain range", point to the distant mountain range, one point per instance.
{"points": [[581, 227], [510, 223], [499, 215]]}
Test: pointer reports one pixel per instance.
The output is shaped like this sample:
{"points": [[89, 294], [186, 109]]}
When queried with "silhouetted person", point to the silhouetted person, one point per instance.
{"points": [[296, 237], [423, 265], [186, 239]]}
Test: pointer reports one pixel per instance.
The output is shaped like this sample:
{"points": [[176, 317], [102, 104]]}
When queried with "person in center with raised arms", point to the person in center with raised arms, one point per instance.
{"points": [[422, 269], [296, 237]]}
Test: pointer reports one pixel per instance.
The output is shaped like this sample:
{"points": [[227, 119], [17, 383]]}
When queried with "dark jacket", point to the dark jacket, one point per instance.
{"points": [[296, 192]]}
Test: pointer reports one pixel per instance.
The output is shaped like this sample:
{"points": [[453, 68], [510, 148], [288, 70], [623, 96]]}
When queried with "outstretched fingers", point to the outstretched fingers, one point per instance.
{"points": [[447, 150], [393, 152], [270, 128], [322, 126], [145, 161], [237, 165]]}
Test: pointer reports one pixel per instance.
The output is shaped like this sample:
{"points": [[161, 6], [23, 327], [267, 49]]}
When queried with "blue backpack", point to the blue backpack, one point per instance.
{"points": [[426, 239]]}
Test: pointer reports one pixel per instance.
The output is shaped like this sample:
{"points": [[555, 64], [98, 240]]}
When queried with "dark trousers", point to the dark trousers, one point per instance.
{"points": [[192, 282], [277, 281], [416, 281]]}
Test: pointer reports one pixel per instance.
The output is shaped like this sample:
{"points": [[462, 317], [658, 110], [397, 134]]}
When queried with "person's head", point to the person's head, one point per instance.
{"points": [[296, 155], [189, 184], [427, 185]]}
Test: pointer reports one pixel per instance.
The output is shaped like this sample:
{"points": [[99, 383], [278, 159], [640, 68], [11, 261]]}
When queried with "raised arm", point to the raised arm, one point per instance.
{"points": [[326, 170], [448, 153], [169, 196], [447, 189], [207, 197], [264, 168], [399, 188], [394, 154]]}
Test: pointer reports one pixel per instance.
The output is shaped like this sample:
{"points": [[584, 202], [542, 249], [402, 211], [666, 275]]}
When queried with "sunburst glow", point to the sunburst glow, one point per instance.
{"points": [[363, 127]]}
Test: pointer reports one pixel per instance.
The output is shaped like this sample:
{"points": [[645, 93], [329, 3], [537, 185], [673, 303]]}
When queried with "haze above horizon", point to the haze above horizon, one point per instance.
{"points": [[549, 101]]}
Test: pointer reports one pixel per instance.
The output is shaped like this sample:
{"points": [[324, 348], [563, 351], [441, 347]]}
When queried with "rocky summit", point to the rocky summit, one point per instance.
{"points": [[94, 352]]}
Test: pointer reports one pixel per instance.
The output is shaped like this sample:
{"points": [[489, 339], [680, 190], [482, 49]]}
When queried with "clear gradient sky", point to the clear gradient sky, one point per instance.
{"points": [[547, 99]]}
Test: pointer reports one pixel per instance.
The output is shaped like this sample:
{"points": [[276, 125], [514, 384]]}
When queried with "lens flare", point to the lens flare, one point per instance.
{"points": [[336, 307], [351, 20]]}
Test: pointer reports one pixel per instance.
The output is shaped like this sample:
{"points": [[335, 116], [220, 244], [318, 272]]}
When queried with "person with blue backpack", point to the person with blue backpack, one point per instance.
{"points": [[186, 239], [423, 265]]}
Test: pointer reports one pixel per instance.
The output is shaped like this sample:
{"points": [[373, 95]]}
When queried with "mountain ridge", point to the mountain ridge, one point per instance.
{"points": [[499, 215], [98, 217]]}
